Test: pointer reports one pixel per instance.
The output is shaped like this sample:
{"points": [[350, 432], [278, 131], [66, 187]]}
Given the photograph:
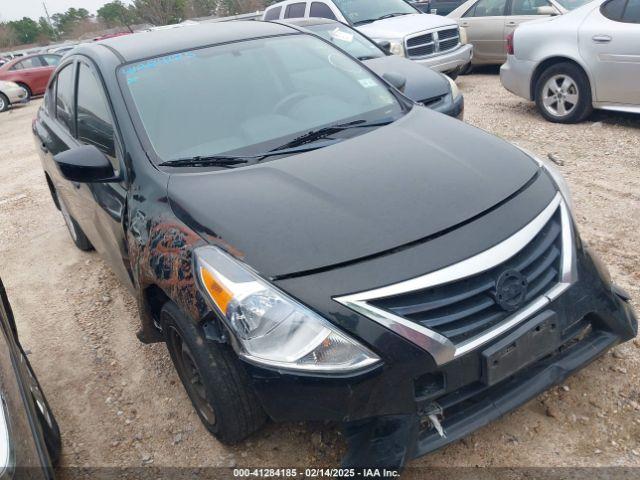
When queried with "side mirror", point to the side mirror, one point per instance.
{"points": [[85, 164], [385, 45], [396, 80], [547, 10]]}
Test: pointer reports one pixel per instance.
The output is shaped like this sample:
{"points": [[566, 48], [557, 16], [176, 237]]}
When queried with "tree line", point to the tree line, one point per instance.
{"points": [[77, 21]]}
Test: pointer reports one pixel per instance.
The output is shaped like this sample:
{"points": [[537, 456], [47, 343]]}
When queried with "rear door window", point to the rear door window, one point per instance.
{"points": [[632, 12], [528, 7], [321, 10], [32, 62], [613, 10], [295, 10], [273, 13], [64, 97], [487, 8], [50, 60]]}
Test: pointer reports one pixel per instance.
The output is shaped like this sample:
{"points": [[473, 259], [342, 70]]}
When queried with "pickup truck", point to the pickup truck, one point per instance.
{"points": [[431, 40]]}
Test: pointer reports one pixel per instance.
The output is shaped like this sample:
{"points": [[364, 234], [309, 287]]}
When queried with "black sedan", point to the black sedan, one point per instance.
{"points": [[421, 84], [29, 436], [310, 244]]}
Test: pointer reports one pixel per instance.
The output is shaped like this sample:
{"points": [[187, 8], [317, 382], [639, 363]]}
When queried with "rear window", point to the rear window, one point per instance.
{"points": [[295, 10], [273, 13]]}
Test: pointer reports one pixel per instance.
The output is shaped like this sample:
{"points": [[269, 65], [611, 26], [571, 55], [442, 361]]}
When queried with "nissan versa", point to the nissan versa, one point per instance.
{"points": [[311, 245]]}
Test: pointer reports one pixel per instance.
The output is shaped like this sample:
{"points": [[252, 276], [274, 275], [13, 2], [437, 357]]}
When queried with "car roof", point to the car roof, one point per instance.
{"points": [[143, 45]]}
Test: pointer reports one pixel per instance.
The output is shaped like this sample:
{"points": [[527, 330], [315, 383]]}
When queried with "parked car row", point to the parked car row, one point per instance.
{"points": [[429, 40], [30, 73], [299, 232], [422, 85]]}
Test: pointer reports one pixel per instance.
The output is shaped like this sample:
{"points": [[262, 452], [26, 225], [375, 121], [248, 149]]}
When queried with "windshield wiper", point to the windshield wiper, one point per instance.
{"points": [[324, 132], [297, 145], [226, 161], [229, 161], [371, 20]]}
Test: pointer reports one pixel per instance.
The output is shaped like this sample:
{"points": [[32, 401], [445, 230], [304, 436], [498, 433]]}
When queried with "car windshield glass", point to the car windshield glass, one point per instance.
{"points": [[253, 96], [363, 11], [348, 39], [573, 4]]}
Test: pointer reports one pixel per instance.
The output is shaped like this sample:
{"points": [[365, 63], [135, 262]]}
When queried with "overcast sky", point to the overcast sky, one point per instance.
{"points": [[16, 9]]}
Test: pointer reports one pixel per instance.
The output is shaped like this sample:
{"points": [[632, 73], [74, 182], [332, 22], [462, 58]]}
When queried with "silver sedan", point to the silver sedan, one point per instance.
{"points": [[586, 59], [11, 93], [487, 23]]}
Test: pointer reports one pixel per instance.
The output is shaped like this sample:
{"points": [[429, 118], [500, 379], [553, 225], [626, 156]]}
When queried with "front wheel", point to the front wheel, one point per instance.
{"points": [[216, 383], [4, 102], [77, 235], [563, 94], [453, 74], [27, 91]]}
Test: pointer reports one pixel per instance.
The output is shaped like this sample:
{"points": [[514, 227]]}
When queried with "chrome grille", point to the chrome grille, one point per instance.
{"points": [[461, 300], [468, 307], [439, 41]]}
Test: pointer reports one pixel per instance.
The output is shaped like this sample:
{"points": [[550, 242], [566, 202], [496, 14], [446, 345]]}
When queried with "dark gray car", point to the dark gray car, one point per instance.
{"points": [[423, 85]]}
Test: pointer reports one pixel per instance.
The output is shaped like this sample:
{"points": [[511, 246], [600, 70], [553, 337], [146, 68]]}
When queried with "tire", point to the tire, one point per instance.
{"points": [[77, 235], [466, 69], [213, 377], [453, 74], [563, 94], [26, 89], [4, 103]]}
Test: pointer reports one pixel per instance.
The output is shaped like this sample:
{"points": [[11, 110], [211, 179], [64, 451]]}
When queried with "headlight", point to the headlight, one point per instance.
{"points": [[455, 91], [555, 175], [463, 35], [268, 326], [396, 48]]}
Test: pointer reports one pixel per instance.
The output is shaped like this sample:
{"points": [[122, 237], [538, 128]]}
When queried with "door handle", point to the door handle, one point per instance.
{"points": [[602, 38], [511, 24], [464, 24]]}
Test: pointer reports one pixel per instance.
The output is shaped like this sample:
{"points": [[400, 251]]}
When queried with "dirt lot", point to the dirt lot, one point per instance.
{"points": [[119, 403]]}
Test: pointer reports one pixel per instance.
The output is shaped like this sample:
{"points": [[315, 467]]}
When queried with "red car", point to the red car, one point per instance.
{"points": [[32, 72]]}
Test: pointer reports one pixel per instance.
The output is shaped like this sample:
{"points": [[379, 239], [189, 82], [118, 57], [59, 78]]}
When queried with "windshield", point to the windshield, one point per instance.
{"points": [[573, 4], [364, 11], [348, 39], [248, 97]]}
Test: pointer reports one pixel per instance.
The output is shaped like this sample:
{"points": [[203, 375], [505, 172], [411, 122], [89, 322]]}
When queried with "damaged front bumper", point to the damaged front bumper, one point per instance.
{"points": [[392, 414]]}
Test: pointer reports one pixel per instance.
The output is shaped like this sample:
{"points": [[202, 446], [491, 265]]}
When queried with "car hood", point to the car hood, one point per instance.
{"points": [[396, 185], [422, 82], [399, 27]]}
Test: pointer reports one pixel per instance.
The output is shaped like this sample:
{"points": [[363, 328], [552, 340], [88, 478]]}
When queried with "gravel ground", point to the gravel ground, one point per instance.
{"points": [[120, 403]]}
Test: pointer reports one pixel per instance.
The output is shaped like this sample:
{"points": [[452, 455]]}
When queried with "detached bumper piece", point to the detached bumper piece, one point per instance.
{"points": [[391, 441]]}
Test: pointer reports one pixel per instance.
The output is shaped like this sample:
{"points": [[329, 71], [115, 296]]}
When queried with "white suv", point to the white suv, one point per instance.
{"points": [[431, 40]]}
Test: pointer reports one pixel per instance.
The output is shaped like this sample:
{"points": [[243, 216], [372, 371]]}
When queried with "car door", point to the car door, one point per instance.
{"points": [[521, 11], [55, 128], [485, 26], [96, 126], [20, 428], [29, 71], [609, 41]]}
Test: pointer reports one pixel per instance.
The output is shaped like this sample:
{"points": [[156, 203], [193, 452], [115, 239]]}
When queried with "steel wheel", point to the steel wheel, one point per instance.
{"points": [[560, 95], [190, 374], [3, 104]]}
